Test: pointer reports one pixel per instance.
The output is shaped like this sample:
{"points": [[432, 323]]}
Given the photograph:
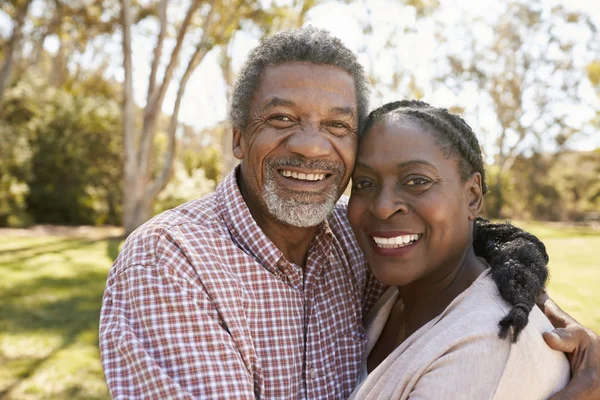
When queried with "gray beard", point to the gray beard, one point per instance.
{"points": [[301, 209]]}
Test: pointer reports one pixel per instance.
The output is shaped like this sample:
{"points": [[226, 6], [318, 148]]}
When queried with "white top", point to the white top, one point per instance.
{"points": [[458, 354]]}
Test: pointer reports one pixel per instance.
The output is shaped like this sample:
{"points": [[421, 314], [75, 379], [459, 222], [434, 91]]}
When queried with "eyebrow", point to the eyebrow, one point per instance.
{"points": [[279, 102], [412, 162], [399, 166], [342, 111]]}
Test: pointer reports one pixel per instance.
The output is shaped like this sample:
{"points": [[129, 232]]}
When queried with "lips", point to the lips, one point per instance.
{"points": [[309, 176], [305, 175], [393, 243]]}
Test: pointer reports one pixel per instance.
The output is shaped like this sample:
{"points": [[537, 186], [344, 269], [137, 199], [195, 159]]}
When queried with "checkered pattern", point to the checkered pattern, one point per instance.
{"points": [[201, 304]]}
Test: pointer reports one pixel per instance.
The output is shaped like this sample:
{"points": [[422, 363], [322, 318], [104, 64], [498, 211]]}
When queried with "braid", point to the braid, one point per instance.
{"points": [[517, 259]]}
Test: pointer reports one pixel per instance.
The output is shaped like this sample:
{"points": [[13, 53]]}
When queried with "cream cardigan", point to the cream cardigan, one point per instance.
{"points": [[458, 355]]}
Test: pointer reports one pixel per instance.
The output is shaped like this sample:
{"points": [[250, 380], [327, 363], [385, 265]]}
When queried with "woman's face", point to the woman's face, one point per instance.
{"points": [[409, 209]]}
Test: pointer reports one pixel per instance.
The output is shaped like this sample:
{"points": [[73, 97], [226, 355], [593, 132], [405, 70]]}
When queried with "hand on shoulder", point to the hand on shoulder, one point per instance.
{"points": [[582, 347]]}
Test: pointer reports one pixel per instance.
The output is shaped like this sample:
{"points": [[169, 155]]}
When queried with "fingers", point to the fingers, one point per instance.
{"points": [[583, 386], [556, 315], [562, 339], [541, 299]]}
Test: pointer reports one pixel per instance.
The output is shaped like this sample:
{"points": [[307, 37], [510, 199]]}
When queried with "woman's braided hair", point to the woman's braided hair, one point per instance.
{"points": [[518, 259]]}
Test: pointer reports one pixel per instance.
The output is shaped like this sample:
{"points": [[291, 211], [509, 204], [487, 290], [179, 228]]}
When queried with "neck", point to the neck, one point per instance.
{"points": [[425, 299], [292, 241]]}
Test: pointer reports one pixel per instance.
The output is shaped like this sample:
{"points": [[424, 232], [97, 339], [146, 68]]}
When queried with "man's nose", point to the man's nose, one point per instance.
{"points": [[388, 203], [310, 142]]}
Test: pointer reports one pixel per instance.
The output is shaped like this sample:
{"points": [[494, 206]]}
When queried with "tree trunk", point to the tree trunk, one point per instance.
{"points": [[131, 189], [15, 37]]}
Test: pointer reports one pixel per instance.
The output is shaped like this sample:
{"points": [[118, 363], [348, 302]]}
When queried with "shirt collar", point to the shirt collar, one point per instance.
{"points": [[246, 232]]}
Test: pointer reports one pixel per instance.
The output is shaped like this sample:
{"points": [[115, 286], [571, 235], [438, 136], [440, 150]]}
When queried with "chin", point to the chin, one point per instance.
{"points": [[392, 275]]}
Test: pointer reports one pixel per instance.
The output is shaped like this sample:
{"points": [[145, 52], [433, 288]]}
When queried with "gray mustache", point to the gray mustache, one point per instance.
{"points": [[308, 164]]}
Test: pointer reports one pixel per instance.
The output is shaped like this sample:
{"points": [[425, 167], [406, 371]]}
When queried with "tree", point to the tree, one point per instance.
{"points": [[216, 21], [18, 10], [61, 153], [528, 68]]}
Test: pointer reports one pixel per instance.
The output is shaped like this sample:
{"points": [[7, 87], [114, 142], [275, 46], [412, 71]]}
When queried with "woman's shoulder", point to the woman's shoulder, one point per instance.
{"points": [[528, 367], [469, 353], [459, 355]]}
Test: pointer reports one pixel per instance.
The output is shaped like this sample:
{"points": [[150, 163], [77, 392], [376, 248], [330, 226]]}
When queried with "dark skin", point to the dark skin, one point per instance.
{"points": [[416, 189], [325, 127], [582, 347], [299, 110], [387, 193]]}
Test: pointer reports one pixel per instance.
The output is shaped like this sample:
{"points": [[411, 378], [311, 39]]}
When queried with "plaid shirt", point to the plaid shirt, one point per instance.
{"points": [[201, 304]]}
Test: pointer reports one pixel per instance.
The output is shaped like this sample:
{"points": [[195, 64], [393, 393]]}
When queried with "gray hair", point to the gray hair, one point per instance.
{"points": [[310, 44]]}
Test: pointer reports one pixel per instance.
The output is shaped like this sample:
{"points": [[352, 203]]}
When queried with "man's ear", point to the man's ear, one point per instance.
{"points": [[238, 144], [475, 195]]}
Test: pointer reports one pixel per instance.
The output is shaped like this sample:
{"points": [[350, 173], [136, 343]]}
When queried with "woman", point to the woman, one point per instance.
{"points": [[443, 330]]}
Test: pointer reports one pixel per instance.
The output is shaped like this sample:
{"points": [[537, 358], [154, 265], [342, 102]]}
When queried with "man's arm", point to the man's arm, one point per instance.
{"points": [[160, 338], [583, 351]]}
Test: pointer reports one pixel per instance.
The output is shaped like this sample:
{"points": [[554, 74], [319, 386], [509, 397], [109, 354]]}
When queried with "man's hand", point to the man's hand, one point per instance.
{"points": [[582, 347]]}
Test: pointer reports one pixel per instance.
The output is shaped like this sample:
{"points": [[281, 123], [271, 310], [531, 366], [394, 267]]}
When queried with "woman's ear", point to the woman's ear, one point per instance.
{"points": [[475, 195], [238, 144]]}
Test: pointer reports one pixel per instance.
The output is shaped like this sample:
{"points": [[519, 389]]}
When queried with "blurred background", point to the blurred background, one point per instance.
{"points": [[114, 110]]}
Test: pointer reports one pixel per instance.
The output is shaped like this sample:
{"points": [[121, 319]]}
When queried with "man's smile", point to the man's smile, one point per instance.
{"points": [[302, 176]]}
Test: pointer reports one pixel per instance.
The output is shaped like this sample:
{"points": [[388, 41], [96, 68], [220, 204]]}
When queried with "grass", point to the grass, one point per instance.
{"points": [[51, 290], [574, 269]]}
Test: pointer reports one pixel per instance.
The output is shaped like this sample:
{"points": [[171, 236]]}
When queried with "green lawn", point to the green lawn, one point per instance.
{"points": [[51, 289], [50, 295]]}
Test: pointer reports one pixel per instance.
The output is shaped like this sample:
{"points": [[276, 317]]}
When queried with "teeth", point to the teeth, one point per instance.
{"points": [[395, 242], [301, 176]]}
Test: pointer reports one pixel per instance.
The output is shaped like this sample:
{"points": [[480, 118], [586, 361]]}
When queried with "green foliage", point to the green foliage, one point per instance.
{"points": [[185, 185], [207, 158], [563, 187], [64, 157]]}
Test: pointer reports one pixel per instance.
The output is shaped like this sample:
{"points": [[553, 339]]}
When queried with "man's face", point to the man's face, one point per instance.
{"points": [[299, 144]]}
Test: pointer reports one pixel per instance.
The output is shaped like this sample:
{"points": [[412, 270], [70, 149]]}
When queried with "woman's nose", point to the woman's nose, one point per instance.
{"points": [[388, 203]]}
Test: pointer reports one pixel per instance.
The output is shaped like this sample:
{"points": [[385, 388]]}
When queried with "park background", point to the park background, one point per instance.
{"points": [[114, 110]]}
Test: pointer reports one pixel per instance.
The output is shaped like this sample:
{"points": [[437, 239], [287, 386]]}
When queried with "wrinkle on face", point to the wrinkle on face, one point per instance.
{"points": [[320, 102]]}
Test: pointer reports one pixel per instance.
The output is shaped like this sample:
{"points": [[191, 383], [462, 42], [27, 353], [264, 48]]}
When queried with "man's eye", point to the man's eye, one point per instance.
{"points": [[338, 128], [281, 121]]}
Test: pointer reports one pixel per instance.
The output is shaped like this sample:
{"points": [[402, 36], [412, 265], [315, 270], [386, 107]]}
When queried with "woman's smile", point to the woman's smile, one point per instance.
{"points": [[409, 207]]}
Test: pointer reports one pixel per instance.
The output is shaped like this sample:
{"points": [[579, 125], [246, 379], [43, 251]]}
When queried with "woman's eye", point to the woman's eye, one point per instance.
{"points": [[418, 182], [360, 185]]}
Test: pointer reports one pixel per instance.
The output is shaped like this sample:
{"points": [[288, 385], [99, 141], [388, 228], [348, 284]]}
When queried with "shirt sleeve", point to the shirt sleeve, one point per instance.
{"points": [[160, 337]]}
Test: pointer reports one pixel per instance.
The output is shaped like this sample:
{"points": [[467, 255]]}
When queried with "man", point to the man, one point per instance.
{"points": [[258, 290]]}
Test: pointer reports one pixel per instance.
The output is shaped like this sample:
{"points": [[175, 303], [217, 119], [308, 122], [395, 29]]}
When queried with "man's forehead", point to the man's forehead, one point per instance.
{"points": [[286, 83], [305, 74]]}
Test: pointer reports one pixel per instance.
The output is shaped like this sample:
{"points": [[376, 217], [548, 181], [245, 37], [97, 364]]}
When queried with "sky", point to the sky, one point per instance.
{"points": [[205, 103]]}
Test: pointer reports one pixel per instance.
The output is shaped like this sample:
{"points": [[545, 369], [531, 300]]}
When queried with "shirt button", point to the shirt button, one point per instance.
{"points": [[313, 374]]}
